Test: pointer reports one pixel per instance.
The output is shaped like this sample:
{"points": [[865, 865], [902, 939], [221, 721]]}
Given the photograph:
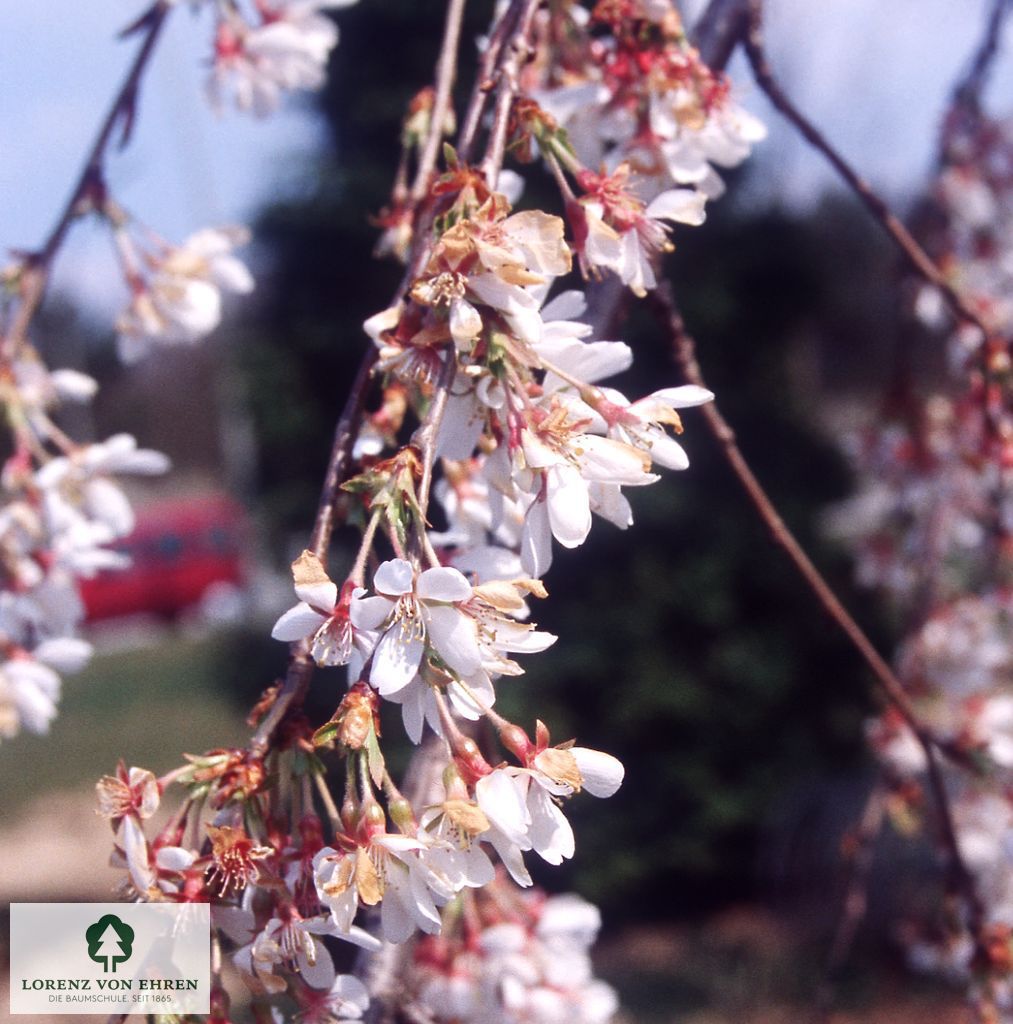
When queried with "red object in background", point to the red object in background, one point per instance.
{"points": [[178, 549]]}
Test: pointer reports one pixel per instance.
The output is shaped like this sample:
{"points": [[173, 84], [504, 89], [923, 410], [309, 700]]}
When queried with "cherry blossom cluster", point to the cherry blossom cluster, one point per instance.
{"points": [[933, 491], [63, 511], [627, 86], [505, 388], [959, 670], [275, 47], [933, 526], [63, 508], [519, 958], [176, 290], [490, 441], [622, 102], [630, 121]]}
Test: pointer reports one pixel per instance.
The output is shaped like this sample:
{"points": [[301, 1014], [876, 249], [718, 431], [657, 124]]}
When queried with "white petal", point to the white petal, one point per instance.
{"points": [[455, 638], [349, 994], [413, 710], [395, 662], [323, 595], [602, 774], [443, 584], [369, 612], [503, 803], [684, 397], [468, 706], [396, 924], [465, 322], [684, 205], [298, 622], [568, 305], [73, 386], [510, 855], [232, 274], [666, 451], [569, 506], [319, 974], [386, 320], [66, 654], [108, 504], [608, 461], [609, 502], [551, 834], [174, 858], [394, 578], [536, 540], [135, 846]]}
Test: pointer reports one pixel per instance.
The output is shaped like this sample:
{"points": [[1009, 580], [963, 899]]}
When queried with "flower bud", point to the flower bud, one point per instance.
{"points": [[515, 739], [402, 816]]}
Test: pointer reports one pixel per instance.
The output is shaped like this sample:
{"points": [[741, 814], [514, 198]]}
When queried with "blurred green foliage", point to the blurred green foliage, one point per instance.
{"points": [[687, 646], [147, 706]]}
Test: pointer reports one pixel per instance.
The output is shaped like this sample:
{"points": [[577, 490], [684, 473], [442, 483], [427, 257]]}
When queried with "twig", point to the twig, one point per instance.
{"points": [[446, 70], [720, 28], [345, 434], [518, 49], [856, 896], [426, 436], [300, 667], [967, 92], [484, 82], [684, 351], [38, 264], [887, 219]]}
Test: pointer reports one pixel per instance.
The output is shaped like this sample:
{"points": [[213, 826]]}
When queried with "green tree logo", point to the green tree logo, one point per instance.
{"points": [[110, 942]]}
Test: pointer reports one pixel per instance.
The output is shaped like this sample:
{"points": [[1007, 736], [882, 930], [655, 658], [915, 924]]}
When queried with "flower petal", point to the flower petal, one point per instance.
{"points": [[394, 578], [601, 773], [395, 662], [297, 623], [443, 584], [455, 637]]}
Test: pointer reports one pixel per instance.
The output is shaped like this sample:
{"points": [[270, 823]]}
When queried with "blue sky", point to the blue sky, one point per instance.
{"points": [[874, 73]]}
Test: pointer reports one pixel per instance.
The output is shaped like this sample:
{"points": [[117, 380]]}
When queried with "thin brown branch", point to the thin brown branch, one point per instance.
{"points": [[426, 436], [720, 28], [300, 668], [684, 351], [293, 688], [856, 896], [518, 50], [121, 111], [484, 82], [345, 434], [885, 217], [446, 71], [968, 90]]}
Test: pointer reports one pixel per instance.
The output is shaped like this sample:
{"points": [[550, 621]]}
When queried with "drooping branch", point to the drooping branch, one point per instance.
{"points": [[968, 90], [90, 182], [446, 71], [684, 352], [513, 30], [300, 668], [719, 30], [517, 52], [856, 897], [918, 258], [485, 82]]}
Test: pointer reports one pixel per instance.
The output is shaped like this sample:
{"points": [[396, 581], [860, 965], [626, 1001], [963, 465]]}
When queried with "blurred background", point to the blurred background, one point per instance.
{"points": [[687, 648]]}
